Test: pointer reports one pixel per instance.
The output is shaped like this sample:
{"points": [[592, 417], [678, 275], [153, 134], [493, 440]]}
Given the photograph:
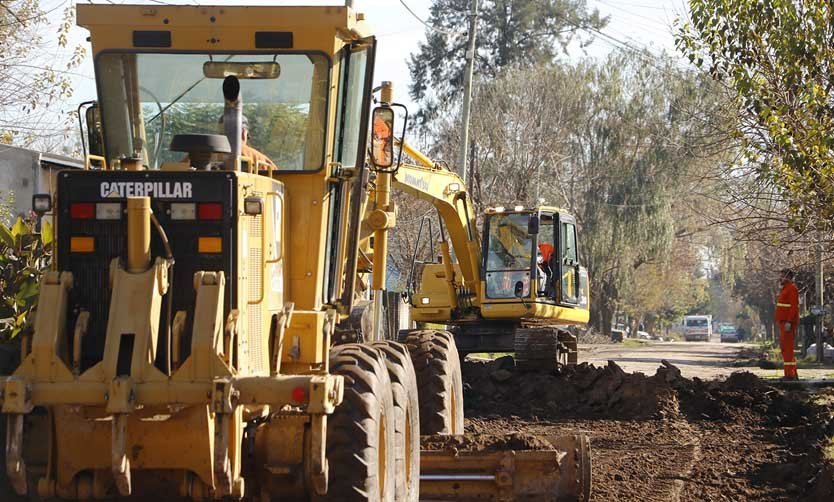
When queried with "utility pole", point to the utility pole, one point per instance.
{"points": [[820, 302], [467, 93]]}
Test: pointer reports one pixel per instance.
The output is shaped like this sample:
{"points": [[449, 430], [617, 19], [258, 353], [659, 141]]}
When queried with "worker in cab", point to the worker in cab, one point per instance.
{"points": [[249, 152], [543, 256], [787, 320]]}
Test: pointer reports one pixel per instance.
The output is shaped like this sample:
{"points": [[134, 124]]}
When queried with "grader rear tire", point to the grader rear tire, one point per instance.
{"points": [[407, 410], [439, 382], [360, 433]]}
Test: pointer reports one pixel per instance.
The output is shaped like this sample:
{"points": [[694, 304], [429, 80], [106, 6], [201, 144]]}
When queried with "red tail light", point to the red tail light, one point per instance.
{"points": [[299, 394], [82, 211], [210, 211]]}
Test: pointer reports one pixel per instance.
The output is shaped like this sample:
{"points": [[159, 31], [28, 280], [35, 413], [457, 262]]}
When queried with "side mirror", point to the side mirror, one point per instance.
{"points": [[95, 137], [382, 137], [533, 224]]}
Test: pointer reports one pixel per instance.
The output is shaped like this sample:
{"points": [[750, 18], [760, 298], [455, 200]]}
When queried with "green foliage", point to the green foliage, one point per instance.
{"points": [[32, 78], [616, 144], [24, 255], [776, 56], [277, 130], [510, 34]]}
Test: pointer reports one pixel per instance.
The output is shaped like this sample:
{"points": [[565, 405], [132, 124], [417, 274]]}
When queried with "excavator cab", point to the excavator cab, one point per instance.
{"points": [[532, 254]]}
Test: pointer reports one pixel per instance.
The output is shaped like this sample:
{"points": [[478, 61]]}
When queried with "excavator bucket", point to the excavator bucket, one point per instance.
{"points": [[562, 473]]}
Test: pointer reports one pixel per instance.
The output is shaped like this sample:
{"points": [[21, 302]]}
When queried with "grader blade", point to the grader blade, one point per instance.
{"points": [[560, 474]]}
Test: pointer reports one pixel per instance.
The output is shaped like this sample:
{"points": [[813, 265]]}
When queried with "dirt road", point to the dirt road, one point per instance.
{"points": [[657, 432], [706, 360]]}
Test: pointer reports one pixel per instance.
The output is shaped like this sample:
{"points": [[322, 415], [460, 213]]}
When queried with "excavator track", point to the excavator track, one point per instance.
{"points": [[540, 348]]}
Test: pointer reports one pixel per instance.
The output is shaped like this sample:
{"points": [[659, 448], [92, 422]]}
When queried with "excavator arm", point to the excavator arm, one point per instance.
{"points": [[445, 190]]}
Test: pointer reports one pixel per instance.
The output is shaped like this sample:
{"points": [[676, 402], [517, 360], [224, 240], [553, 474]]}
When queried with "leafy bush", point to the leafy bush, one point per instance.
{"points": [[25, 256]]}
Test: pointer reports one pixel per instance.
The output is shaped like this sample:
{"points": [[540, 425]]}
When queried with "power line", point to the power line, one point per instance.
{"points": [[427, 25]]}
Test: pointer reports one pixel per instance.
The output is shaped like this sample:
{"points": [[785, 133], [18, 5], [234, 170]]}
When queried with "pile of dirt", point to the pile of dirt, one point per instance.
{"points": [[664, 436], [593, 337], [496, 388], [756, 357], [485, 442]]}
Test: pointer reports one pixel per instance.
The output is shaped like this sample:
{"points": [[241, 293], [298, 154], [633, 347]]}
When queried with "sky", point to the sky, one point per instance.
{"points": [[637, 23]]}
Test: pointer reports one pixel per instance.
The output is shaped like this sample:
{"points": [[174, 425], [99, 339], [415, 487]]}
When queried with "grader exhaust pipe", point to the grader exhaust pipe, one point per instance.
{"points": [[233, 121], [560, 474]]}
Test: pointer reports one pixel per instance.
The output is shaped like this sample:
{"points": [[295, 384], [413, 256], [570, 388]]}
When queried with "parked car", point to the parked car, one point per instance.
{"points": [[697, 328], [728, 334]]}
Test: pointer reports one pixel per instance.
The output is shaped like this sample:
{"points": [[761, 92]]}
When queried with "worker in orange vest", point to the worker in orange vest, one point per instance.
{"points": [[787, 319], [381, 137]]}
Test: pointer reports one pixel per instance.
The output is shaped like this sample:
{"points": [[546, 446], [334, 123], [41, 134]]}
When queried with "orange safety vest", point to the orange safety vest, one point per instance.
{"points": [[787, 304], [546, 250]]}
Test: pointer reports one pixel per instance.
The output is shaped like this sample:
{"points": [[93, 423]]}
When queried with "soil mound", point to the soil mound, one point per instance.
{"points": [[498, 388]]}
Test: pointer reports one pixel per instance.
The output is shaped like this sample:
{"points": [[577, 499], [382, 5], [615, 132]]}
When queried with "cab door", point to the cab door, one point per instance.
{"points": [[355, 77], [568, 260]]}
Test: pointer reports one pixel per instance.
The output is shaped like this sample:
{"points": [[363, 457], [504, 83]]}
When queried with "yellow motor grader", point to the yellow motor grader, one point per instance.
{"points": [[211, 324]]}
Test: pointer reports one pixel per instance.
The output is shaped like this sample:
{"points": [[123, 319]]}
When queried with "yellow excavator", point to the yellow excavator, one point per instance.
{"points": [[211, 325], [516, 289]]}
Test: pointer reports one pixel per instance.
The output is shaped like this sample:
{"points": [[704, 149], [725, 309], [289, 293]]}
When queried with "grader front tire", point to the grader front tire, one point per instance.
{"points": [[407, 429], [360, 433], [439, 382]]}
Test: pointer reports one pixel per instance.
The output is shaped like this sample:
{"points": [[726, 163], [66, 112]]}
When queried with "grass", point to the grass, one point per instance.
{"points": [[773, 353], [489, 355]]}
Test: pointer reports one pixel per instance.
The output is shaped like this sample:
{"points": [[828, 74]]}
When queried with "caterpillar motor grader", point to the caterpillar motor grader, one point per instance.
{"points": [[202, 333]]}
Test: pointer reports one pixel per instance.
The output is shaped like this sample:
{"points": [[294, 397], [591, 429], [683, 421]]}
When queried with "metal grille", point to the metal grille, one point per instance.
{"points": [[92, 290], [254, 269]]}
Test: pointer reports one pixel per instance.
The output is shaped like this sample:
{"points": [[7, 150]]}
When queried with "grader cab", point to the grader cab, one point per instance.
{"points": [[202, 332]]}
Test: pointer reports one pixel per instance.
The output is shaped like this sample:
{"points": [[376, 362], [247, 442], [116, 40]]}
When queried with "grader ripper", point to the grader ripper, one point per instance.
{"points": [[185, 341]]}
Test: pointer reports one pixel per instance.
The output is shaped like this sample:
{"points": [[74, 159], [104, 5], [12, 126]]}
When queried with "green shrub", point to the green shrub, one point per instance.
{"points": [[25, 255]]}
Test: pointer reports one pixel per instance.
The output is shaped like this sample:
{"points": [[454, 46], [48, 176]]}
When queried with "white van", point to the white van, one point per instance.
{"points": [[697, 328]]}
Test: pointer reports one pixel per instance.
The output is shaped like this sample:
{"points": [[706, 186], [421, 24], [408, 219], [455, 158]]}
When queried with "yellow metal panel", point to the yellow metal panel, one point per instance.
{"points": [[304, 341], [514, 309], [84, 443], [306, 234], [220, 28], [134, 310]]}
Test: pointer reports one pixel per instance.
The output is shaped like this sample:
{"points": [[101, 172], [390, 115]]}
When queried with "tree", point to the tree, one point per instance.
{"points": [[777, 57], [621, 145], [31, 78], [510, 33]]}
